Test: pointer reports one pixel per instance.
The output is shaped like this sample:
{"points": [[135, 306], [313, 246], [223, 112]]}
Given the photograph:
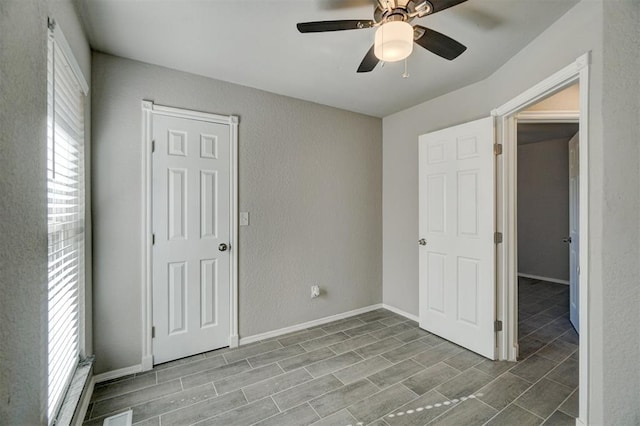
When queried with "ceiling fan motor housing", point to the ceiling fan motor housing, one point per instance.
{"points": [[388, 11]]}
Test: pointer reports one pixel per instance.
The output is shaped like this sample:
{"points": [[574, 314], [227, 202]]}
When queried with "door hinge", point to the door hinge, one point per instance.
{"points": [[153, 146], [497, 325], [497, 237], [153, 239], [497, 148], [153, 332]]}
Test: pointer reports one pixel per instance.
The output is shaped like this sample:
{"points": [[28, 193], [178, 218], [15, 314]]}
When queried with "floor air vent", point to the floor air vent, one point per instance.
{"points": [[122, 419]]}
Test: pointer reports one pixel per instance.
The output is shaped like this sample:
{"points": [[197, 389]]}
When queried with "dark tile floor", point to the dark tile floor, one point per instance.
{"points": [[376, 368]]}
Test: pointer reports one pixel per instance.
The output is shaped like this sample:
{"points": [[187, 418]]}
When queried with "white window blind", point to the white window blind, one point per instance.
{"points": [[65, 203]]}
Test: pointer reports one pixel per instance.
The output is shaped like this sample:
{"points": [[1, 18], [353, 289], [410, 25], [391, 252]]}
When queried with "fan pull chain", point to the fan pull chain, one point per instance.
{"points": [[405, 74]]}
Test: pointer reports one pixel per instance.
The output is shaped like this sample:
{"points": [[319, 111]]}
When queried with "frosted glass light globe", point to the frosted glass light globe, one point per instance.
{"points": [[394, 41]]}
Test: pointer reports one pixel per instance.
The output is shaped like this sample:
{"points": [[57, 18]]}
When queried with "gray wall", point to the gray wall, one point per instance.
{"points": [[617, 289], [310, 176], [609, 29], [23, 205], [543, 209]]}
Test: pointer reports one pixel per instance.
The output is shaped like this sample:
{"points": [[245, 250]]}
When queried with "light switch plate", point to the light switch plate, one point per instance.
{"points": [[244, 218]]}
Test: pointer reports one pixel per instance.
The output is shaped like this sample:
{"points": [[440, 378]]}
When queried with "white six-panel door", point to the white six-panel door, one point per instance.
{"points": [[456, 224], [574, 231], [191, 204]]}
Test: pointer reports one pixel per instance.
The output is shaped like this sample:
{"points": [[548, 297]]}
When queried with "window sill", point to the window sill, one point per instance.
{"points": [[69, 411]]}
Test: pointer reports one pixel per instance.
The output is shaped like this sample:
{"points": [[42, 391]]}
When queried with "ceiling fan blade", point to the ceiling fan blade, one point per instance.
{"points": [[323, 26], [369, 62], [439, 5], [438, 43]]}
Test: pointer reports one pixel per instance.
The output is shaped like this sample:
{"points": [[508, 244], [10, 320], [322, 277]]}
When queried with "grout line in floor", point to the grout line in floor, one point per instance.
{"points": [[127, 392], [566, 399], [318, 414], [446, 411], [175, 409], [558, 383], [542, 419]]}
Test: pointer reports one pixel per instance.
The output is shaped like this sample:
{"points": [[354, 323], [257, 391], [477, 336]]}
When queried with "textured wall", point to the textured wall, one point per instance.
{"points": [[310, 176], [620, 210], [23, 204], [543, 209], [23, 209]]}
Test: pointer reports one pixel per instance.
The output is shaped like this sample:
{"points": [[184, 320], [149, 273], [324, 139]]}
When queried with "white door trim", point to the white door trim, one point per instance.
{"points": [[549, 117], [148, 110], [506, 190]]}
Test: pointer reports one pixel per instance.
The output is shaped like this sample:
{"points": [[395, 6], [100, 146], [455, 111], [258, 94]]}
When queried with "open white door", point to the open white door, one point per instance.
{"points": [[191, 226], [574, 234], [457, 251]]}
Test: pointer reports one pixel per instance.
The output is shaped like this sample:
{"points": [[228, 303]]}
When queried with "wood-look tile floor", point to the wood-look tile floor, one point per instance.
{"points": [[376, 368]]}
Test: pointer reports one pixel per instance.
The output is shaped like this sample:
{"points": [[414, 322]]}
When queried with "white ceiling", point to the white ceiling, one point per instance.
{"points": [[255, 43]]}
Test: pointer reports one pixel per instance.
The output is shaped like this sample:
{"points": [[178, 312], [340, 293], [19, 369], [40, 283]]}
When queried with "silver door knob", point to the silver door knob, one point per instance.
{"points": [[567, 240], [422, 242], [223, 247]]}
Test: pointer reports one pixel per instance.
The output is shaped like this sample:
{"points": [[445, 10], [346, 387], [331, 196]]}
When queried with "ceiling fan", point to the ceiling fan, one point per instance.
{"points": [[395, 36]]}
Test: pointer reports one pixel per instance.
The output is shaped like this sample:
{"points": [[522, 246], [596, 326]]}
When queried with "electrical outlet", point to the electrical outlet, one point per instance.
{"points": [[315, 291]]}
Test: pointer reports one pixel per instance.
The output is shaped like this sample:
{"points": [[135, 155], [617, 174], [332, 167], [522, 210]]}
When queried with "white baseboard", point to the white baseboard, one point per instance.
{"points": [[234, 341], [147, 363], [537, 277], [116, 374], [513, 353], [85, 401], [401, 312], [302, 326]]}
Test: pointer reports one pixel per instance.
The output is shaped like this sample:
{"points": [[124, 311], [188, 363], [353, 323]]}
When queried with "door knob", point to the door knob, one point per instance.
{"points": [[422, 242], [223, 247], [567, 240]]}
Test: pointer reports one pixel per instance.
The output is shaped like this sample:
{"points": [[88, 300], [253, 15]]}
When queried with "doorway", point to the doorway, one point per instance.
{"points": [[190, 289], [547, 207], [547, 230], [508, 116]]}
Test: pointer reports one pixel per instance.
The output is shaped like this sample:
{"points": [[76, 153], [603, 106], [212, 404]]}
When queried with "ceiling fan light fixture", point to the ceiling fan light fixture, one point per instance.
{"points": [[394, 41]]}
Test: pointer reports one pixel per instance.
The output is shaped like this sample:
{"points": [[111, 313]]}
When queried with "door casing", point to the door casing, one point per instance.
{"points": [[506, 218], [149, 109]]}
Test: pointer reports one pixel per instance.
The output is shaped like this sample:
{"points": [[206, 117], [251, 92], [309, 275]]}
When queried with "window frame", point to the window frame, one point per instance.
{"points": [[58, 49]]}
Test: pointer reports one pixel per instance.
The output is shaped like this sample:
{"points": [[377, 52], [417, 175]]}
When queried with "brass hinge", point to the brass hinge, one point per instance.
{"points": [[497, 148], [153, 332], [497, 237], [497, 325], [153, 146]]}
